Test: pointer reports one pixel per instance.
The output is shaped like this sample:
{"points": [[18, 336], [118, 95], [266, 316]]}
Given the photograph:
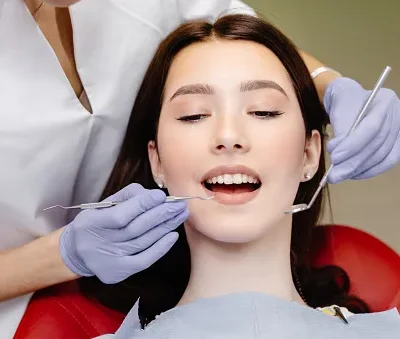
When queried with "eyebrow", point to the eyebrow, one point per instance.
{"points": [[253, 85], [193, 89], [246, 86]]}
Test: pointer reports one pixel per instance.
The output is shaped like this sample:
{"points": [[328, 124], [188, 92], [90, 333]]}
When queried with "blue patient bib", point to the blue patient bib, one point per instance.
{"points": [[258, 316]]}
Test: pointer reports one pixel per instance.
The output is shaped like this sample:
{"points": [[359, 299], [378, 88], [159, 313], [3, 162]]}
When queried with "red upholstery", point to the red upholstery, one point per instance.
{"points": [[374, 269], [62, 312]]}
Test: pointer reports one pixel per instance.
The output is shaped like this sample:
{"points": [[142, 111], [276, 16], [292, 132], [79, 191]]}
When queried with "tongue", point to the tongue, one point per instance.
{"points": [[232, 189]]}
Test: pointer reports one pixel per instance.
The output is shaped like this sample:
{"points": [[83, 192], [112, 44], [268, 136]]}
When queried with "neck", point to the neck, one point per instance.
{"points": [[260, 266]]}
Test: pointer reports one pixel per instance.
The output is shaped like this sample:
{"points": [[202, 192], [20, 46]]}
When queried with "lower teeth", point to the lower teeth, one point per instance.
{"points": [[232, 189]]}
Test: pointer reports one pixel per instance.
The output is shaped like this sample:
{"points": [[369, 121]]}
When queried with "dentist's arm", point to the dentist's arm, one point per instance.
{"points": [[111, 243], [33, 266], [322, 80]]}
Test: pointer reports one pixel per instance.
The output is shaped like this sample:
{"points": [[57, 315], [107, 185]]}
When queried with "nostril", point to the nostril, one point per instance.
{"points": [[233, 147]]}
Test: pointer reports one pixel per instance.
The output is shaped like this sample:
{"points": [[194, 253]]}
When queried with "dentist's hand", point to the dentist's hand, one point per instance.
{"points": [[374, 146], [114, 243]]}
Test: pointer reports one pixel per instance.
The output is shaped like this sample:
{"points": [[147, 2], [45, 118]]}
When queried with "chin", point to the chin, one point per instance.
{"points": [[238, 224], [239, 230], [233, 238]]}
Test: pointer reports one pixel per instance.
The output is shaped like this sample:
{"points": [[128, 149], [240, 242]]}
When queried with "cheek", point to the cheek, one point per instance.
{"points": [[287, 154], [283, 165], [180, 152], [282, 148]]}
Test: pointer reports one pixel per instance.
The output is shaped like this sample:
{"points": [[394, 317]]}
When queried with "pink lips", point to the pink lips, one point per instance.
{"points": [[229, 198]]}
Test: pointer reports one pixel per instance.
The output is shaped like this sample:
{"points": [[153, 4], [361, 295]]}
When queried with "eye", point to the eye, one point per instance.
{"points": [[193, 118], [265, 114]]}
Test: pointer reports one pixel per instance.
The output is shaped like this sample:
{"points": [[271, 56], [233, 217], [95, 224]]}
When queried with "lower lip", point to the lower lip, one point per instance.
{"points": [[232, 199]]}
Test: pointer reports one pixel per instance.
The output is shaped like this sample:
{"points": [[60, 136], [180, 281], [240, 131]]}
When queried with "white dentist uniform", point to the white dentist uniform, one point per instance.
{"points": [[52, 150]]}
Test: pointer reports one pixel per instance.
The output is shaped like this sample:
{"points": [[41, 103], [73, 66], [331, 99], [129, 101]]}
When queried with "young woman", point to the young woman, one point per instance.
{"points": [[230, 110]]}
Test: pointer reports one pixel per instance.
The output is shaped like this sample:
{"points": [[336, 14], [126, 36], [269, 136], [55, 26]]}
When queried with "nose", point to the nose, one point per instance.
{"points": [[230, 136]]}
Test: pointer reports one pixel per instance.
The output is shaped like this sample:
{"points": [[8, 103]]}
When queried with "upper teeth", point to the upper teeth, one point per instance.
{"points": [[229, 179]]}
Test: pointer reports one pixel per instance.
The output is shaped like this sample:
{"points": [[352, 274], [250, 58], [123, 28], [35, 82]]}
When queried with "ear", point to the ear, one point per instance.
{"points": [[155, 163], [312, 152]]}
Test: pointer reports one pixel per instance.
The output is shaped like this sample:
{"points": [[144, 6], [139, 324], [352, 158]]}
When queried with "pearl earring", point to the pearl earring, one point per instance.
{"points": [[159, 183], [307, 176]]}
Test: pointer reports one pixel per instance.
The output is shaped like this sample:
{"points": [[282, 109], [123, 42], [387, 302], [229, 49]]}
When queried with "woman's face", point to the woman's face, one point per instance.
{"points": [[231, 126]]}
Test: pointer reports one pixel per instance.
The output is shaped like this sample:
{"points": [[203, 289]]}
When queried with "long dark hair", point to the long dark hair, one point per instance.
{"points": [[161, 286]]}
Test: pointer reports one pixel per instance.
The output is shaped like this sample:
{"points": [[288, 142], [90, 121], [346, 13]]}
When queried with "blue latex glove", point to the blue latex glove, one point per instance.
{"points": [[116, 242], [374, 146]]}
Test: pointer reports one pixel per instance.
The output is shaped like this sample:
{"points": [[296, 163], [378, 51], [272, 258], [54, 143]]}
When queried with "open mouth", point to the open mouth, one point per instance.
{"points": [[233, 188], [232, 184]]}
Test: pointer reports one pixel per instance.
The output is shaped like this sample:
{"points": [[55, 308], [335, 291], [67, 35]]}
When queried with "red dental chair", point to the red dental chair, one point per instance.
{"points": [[374, 269]]}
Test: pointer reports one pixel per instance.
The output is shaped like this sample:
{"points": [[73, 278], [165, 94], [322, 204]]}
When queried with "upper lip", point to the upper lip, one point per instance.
{"points": [[238, 169]]}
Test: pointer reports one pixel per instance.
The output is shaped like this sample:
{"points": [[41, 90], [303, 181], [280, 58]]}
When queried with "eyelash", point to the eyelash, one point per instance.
{"points": [[191, 119], [266, 114]]}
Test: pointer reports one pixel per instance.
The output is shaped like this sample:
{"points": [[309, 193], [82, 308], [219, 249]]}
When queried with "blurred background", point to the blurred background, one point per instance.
{"points": [[358, 38]]}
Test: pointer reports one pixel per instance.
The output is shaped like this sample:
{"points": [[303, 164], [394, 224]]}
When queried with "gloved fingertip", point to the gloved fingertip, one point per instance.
{"points": [[177, 220], [170, 238], [358, 177], [339, 151], [339, 174], [337, 157], [157, 195], [185, 213], [333, 143], [178, 206], [334, 178], [126, 193], [330, 148], [364, 175], [131, 190]]}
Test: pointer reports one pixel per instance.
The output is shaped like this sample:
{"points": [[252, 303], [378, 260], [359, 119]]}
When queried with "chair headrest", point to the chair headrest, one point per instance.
{"points": [[372, 266]]}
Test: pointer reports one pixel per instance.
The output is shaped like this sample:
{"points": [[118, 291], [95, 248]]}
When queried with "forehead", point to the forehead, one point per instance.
{"points": [[224, 63]]}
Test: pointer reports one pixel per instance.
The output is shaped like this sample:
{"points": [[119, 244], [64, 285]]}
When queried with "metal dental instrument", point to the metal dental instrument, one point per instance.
{"points": [[340, 315], [105, 204], [303, 207]]}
